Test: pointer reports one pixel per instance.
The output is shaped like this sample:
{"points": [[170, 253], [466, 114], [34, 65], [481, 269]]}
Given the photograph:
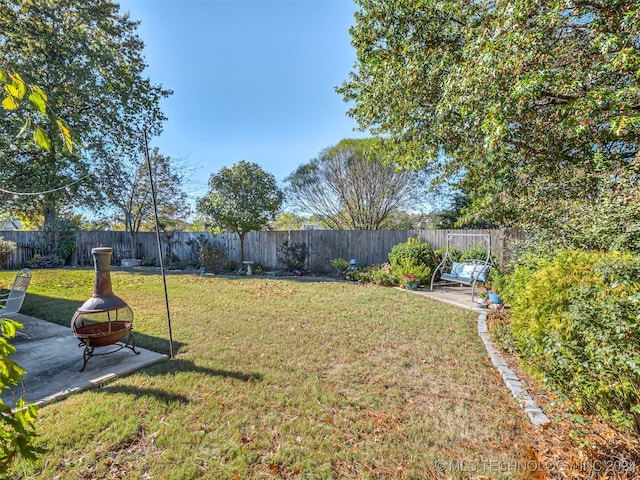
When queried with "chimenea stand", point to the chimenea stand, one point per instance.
{"points": [[105, 319]]}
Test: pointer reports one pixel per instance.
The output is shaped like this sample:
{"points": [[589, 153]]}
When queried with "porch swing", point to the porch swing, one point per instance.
{"points": [[469, 272]]}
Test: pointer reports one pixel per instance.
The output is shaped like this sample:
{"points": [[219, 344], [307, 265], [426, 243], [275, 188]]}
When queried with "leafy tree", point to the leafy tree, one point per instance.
{"points": [[402, 220], [459, 215], [198, 225], [608, 219], [288, 221], [522, 100], [130, 193], [241, 199], [16, 99], [87, 61], [348, 187]]}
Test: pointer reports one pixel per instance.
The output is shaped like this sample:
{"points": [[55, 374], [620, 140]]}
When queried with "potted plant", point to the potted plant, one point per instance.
{"points": [[483, 300], [409, 281], [497, 283], [494, 297], [340, 264]]}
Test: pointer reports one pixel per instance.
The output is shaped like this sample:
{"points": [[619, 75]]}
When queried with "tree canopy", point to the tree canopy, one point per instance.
{"points": [[349, 187], [87, 61], [528, 103], [130, 194], [241, 199], [20, 95]]}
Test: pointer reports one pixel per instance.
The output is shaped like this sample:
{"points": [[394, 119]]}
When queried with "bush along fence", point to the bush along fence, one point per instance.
{"points": [[575, 326], [322, 246]]}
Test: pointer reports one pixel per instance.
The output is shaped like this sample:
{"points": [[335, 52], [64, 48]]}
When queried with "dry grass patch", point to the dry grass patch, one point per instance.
{"points": [[283, 379]]}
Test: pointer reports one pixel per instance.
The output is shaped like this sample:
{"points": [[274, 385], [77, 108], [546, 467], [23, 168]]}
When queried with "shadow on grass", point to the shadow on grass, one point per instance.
{"points": [[176, 366], [187, 366], [60, 311], [161, 395]]}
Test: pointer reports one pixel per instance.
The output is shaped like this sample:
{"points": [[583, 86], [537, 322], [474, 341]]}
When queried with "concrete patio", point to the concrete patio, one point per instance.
{"points": [[52, 358]]}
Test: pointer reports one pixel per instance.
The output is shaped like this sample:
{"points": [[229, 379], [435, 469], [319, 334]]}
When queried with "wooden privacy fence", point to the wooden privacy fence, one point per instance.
{"points": [[367, 246]]}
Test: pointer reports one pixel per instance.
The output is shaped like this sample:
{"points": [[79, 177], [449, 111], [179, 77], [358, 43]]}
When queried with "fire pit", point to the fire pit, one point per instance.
{"points": [[105, 319]]}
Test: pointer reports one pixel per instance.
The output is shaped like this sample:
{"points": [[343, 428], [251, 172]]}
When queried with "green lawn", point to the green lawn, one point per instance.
{"points": [[281, 379]]}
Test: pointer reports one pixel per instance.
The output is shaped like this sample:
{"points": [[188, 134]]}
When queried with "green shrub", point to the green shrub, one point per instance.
{"points": [[412, 250], [257, 268], [538, 291], [419, 270], [149, 262], [7, 247], [173, 262], [575, 319], [381, 274], [412, 257], [45, 261], [213, 256], [185, 265], [438, 255], [230, 265], [57, 241], [497, 280], [472, 254], [360, 274], [293, 255], [339, 263]]}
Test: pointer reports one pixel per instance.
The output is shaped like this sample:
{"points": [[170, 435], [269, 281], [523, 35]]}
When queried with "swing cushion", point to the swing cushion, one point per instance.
{"points": [[481, 273], [467, 272], [456, 268]]}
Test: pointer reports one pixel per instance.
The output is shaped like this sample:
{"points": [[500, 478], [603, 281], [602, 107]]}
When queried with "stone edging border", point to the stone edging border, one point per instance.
{"points": [[511, 380]]}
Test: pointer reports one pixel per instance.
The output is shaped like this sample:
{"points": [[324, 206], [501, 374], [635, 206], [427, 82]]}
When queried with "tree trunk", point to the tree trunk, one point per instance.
{"points": [[49, 216], [241, 235], [133, 238], [51, 199]]}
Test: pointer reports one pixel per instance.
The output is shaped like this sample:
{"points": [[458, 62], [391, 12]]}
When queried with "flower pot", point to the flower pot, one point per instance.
{"points": [[412, 286], [495, 298]]}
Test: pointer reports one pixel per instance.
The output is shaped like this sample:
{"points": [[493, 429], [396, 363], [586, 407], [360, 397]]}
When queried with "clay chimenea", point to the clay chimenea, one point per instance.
{"points": [[104, 319]]}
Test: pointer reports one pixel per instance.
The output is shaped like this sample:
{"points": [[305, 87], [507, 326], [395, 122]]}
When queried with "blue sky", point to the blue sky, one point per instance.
{"points": [[252, 80]]}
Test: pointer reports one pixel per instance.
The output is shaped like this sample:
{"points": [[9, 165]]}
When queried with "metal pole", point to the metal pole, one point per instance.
{"points": [[155, 212]]}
